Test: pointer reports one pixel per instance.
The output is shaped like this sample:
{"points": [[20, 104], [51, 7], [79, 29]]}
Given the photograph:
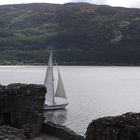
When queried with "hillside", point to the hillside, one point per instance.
{"points": [[80, 33]]}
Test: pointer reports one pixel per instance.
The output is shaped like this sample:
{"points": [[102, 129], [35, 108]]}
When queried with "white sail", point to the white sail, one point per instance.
{"points": [[48, 82], [60, 91], [54, 101]]}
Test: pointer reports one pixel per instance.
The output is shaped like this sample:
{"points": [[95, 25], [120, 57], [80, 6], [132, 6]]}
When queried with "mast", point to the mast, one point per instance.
{"points": [[53, 80], [49, 82]]}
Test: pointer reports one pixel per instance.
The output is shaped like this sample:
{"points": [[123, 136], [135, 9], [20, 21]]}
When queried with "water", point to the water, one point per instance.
{"points": [[92, 92]]}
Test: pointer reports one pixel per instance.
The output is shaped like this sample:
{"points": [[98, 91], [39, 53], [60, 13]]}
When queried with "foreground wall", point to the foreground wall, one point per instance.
{"points": [[22, 107], [124, 127], [11, 133]]}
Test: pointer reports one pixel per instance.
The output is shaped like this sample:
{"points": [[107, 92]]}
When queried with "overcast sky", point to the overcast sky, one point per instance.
{"points": [[124, 3]]}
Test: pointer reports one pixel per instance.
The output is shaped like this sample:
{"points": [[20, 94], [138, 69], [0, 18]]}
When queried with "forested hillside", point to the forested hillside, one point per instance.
{"points": [[79, 33]]}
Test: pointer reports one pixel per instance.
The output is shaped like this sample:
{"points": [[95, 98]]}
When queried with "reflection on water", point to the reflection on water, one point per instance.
{"points": [[56, 116]]}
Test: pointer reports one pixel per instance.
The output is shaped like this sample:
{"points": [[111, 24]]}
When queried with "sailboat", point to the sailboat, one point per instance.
{"points": [[58, 99]]}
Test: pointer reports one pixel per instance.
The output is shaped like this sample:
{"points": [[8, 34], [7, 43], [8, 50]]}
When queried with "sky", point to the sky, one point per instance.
{"points": [[123, 3]]}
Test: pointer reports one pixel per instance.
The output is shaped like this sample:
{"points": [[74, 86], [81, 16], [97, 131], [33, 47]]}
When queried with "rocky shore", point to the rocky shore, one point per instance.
{"points": [[22, 118], [61, 132], [124, 127], [43, 136]]}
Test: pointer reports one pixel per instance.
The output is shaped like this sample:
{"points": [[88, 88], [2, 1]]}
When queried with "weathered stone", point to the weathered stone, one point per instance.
{"points": [[61, 132], [10, 133], [22, 107], [124, 127]]}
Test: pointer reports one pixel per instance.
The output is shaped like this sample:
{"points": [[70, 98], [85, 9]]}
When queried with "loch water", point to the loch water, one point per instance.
{"points": [[92, 91]]}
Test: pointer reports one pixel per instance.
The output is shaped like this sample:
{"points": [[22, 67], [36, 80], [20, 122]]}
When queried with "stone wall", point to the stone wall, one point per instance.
{"points": [[10, 133], [61, 132], [22, 107], [124, 127]]}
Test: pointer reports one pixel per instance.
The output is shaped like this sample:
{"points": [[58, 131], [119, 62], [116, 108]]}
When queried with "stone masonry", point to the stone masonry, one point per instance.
{"points": [[22, 107], [124, 127]]}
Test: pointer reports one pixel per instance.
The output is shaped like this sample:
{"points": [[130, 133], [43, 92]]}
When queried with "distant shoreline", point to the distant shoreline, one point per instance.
{"points": [[69, 64]]}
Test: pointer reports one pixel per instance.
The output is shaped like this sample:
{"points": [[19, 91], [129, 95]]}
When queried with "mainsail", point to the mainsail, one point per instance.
{"points": [[48, 82], [60, 91]]}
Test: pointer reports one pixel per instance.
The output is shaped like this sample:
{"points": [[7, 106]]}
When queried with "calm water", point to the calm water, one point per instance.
{"points": [[92, 92]]}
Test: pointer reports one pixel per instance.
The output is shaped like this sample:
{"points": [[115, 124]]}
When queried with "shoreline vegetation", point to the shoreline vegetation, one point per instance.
{"points": [[13, 63]]}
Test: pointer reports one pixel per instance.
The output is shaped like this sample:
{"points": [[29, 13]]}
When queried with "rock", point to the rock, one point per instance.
{"points": [[61, 132], [124, 127], [22, 107], [10, 133]]}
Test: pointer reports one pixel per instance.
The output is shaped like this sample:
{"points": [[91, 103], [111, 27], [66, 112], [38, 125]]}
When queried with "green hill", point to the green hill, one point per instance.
{"points": [[80, 33]]}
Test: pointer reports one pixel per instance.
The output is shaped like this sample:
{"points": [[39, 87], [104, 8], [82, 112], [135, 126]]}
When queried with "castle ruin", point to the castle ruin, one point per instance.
{"points": [[22, 107]]}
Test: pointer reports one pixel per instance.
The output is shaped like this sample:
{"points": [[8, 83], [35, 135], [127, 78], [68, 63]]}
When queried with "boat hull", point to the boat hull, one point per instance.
{"points": [[55, 107]]}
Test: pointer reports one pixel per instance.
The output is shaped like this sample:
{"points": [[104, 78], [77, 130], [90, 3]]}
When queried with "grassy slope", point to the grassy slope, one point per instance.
{"points": [[79, 33]]}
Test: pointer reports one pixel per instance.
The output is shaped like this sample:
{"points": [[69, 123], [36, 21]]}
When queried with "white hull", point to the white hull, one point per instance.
{"points": [[55, 107]]}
